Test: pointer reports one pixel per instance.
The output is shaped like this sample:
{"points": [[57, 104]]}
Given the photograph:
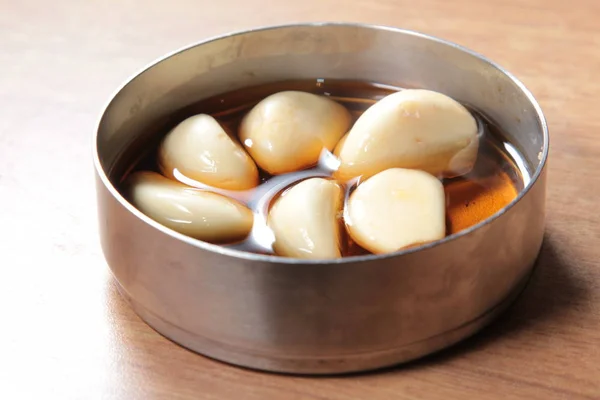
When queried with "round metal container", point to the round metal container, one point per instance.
{"points": [[317, 317]]}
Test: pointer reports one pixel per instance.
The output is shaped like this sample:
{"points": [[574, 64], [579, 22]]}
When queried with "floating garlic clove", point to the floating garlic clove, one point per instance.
{"points": [[200, 149], [287, 131], [306, 220], [197, 213], [413, 128], [396, 209]]}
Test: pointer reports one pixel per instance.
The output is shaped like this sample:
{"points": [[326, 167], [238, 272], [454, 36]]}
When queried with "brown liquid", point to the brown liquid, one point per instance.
{"points": [[492, 184]]}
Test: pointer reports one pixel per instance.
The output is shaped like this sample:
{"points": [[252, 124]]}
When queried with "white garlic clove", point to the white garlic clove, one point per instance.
{"points": [[305, 220], [396, 209], [287, 131], [200, 149], [413, 128], [193, 212]]}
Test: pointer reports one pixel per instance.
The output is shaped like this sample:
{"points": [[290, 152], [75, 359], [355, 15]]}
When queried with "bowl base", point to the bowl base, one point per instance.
{"points": [[347, 363]]}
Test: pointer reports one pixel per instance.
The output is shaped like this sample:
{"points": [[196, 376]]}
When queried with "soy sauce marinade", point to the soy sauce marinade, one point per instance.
{"points": [[493, 183]]}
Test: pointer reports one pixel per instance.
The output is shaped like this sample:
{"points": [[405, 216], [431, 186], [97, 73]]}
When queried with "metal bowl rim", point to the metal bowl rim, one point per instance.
{"points": [[101, 173]]}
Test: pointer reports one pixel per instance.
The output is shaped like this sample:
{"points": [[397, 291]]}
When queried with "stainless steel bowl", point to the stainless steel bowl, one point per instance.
{"points": [[297, 316]]}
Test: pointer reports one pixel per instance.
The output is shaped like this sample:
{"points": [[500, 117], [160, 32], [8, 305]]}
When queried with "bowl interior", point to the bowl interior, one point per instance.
{"points": [[335, 51]]}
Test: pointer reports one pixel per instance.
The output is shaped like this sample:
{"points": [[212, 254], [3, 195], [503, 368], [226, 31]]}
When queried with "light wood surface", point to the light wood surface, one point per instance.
{"points": [[65, 332]]}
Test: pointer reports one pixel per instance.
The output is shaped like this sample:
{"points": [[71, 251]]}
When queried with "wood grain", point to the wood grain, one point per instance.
{"points": [[66, 333]]}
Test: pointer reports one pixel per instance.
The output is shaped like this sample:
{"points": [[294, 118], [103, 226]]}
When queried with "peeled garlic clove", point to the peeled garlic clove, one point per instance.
{"points": [[287, 131], [306, 220], [200, 149], [197, 213], [395, 209], [413, 128]]}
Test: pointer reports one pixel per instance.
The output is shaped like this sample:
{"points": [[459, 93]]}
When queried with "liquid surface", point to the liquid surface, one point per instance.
{"points": [[492, 184]]}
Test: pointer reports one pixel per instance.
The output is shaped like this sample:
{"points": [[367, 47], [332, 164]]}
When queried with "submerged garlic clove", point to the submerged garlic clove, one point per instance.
{"points": [[197, 213], [413, 128], [396, 209], [200, 149], [305, 220], [287, 131]]}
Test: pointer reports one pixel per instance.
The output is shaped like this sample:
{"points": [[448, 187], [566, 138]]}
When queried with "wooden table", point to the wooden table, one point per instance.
{"points": [[66, 333]]}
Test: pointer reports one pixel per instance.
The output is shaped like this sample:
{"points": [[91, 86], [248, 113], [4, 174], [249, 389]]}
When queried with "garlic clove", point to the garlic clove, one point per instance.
{"points": [[287, 131], [413, 128], [305, 220], [396, 209], [193, 212], [200, 149]]}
